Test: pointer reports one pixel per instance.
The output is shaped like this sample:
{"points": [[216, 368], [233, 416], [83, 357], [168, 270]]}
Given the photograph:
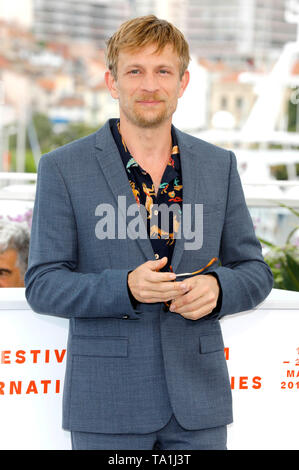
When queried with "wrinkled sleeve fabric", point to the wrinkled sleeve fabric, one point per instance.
{"points": [[53, 286], [244, 277]]}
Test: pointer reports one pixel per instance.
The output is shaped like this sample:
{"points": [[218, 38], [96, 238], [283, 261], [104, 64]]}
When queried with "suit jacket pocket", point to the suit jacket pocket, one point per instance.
{"points": [[99, 346], [211, 343]]}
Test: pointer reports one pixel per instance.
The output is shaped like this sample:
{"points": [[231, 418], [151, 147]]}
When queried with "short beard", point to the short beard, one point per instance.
{"points": [[146, 122]]}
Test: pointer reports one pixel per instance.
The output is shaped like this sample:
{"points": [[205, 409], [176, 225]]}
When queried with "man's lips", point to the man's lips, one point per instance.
{"points": [[149, 102]]}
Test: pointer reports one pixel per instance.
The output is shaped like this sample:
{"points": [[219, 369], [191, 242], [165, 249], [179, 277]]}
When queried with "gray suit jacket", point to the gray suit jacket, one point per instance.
{"points": [[129, 369]]}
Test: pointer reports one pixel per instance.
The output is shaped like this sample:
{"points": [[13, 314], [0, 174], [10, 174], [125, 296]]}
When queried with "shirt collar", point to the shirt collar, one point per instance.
{"points": [[128, 159]]}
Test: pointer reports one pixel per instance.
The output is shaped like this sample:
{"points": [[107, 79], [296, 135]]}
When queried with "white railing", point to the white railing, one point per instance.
{"points": [[257, 194], [272, 193], [16, 176], [17, 186]]}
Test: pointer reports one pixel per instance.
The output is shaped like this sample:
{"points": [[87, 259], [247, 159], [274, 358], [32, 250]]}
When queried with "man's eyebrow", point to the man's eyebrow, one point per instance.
{"points": [[128, 66], [8, 271], [157, 66], [166, 66]]}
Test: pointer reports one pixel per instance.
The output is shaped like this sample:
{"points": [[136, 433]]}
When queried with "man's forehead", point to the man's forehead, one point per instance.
{"points": [[8, 256], [129, 54]]}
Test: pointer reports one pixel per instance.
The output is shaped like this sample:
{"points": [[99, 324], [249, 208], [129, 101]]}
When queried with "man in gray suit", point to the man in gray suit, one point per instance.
{"points": [[146, 366]]}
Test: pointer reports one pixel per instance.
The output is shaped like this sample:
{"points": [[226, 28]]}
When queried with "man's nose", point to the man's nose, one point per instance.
{"points": [[150, 82]]}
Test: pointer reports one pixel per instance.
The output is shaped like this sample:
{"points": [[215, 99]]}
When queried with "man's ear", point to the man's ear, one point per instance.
{"points": [[184, 83], [111, 84]]}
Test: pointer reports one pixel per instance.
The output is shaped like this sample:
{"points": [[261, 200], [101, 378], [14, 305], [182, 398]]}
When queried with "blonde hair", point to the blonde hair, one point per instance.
{"points": [[144, 31]]}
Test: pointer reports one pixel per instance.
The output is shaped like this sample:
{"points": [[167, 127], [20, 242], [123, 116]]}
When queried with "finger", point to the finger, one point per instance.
{"points": [[189, 301], [186, 296], [164, 291], [195, 290], [152, 296], [202, 304], [198, 313], [157, 277], [156, 265], [168, 290], [196, 310]]}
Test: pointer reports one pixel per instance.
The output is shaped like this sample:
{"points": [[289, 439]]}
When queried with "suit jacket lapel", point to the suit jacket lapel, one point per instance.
{"points": [[193, 189], [113, 169]]}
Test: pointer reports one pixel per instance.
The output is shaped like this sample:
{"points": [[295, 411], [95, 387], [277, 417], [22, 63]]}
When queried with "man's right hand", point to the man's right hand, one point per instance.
{"points": [[148, 285]]}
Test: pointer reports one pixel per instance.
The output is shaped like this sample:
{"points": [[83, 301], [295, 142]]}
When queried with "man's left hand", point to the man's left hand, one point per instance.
{"points": [[200, 297]]}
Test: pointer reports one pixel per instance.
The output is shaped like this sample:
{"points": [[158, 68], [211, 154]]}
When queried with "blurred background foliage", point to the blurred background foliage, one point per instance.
{"points": [[284, 260], [48, 138]]}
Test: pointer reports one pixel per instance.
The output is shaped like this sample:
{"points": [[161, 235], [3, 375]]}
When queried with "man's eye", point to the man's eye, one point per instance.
{"points": [[164, 72], [134, 72]]}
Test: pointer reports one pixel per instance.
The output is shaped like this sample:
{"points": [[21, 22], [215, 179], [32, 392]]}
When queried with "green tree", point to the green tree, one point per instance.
{"points": [[48, 139], [284, 260], [72, 132], [44, 131], [292, 114]]}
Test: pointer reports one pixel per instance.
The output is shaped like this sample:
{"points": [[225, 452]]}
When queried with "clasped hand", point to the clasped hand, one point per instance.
{"points": [[193, 298]]}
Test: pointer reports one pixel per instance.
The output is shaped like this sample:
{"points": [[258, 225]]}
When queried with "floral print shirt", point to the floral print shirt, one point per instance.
{"points": [[161, 229]]}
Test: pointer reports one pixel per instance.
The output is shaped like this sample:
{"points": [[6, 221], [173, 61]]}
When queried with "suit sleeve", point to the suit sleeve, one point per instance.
{"points": [[244, 277], [53, 286]]}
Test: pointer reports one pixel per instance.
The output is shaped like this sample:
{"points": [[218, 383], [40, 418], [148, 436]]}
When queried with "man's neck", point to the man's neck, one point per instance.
{"points": [[150, 147]]}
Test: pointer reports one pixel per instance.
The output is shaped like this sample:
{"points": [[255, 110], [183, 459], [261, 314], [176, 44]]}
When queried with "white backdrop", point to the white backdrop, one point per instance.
{"points": [[262, 351]]}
